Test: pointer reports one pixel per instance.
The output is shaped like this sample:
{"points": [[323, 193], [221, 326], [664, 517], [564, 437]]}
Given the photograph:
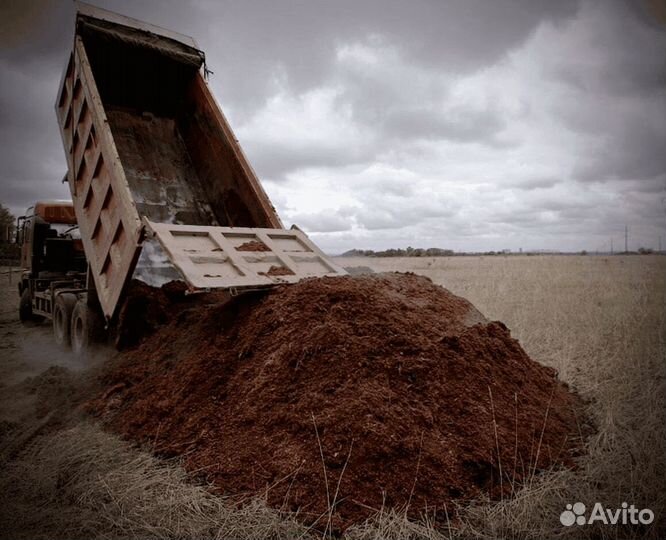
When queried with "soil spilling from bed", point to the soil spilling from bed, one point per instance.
{"points": [[336, 397]]}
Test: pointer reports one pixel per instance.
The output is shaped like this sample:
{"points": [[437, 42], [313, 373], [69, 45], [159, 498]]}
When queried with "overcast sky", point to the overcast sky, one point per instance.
{"points": [[462, 124]]}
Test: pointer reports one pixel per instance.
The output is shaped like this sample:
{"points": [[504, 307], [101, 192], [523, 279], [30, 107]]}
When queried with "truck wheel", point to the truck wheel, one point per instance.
{"points": [[62, 316], [86, 328], [25, 308]]}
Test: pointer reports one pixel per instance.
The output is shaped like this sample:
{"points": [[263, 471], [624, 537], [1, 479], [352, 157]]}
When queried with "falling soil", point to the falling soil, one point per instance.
{"points": [[253, 245], [277, 271], [336, 397], [145, 309]]}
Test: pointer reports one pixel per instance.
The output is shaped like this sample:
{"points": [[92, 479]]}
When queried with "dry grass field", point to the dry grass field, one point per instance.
{"points": [[600, 321]]}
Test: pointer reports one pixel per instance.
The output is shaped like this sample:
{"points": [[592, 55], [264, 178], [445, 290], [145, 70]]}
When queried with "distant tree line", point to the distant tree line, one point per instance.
{"points": [[9, 251], [408, 252], [6, 224], [438, 252]]}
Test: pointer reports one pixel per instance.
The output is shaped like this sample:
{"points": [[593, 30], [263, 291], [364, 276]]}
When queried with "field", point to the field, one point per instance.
{"points": [[600, 321]]}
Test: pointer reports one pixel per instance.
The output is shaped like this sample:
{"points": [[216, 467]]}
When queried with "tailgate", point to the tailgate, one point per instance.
{"points": [[238, 257]]}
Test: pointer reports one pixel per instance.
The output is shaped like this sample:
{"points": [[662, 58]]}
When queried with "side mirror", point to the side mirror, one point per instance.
{"points": [[20, 223]]}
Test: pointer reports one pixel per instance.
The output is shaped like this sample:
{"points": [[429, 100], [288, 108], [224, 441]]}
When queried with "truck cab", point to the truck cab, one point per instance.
{"points": [[50, 242], [53, 261]]}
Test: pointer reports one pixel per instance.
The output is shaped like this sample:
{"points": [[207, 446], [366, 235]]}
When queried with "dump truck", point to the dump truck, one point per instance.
{"points": [[160, 186]]}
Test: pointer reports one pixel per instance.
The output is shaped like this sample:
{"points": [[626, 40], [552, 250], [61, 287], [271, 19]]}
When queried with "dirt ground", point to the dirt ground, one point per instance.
{"points": [[599, 321], [25, 351]]}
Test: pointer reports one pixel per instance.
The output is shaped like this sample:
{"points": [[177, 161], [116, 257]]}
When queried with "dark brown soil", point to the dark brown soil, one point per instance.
{"points": [[145, 309], [359, 392], [253, 245], [277, 271]]}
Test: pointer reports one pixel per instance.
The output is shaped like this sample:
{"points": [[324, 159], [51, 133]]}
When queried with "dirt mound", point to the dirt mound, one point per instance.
{"points": [[277, 271], [253, 245], [145, 309], [352, 393]]}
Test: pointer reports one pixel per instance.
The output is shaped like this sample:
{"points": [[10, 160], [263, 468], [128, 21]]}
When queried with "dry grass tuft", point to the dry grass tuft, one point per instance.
{"points": [[394, 525], [82, 483]]}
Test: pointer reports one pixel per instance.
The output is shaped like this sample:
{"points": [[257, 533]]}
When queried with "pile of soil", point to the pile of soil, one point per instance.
{"points": [[352, 393], [253, 245], [277, 271], [145, 309]]}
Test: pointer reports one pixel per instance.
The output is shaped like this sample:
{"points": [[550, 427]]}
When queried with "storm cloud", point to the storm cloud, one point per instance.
{"points": [[462, 124]]}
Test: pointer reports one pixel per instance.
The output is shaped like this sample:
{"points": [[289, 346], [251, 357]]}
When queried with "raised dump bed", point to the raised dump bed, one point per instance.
{"points": [[145, 140]]}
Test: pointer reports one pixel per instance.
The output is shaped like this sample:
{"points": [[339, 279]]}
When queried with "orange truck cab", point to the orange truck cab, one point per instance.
{"points": [[52, 257]]}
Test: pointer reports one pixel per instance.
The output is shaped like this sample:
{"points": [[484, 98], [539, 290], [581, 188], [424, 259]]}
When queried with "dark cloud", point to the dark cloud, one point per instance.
{"points": [[395, 212], [322, 222], [626, 56], [257, 38], [616, 74], [653, 185], [462, 125], [32, 155], [634, 151], [274, 161], [529, 184], [35, 33]]}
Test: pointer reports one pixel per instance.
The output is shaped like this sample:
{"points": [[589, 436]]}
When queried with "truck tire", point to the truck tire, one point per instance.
{"points": [[62, 317], [86, 328], [25, 308]]}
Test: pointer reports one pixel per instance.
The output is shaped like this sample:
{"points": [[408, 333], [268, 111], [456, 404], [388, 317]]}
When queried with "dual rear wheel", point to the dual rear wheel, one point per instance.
{"points": [[86, 328], [76, 324], [62, 315], [25, 308]]}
